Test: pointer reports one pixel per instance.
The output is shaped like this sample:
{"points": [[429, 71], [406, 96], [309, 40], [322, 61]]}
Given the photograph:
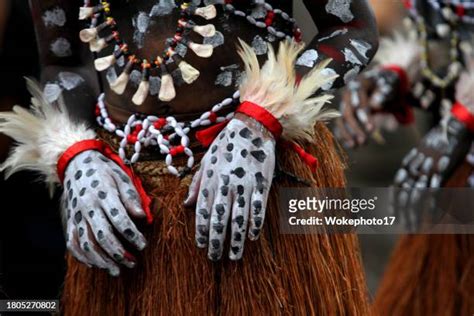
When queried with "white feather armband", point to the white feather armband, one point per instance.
{"points": [[275, 88], [41, 134], [402, 49]]}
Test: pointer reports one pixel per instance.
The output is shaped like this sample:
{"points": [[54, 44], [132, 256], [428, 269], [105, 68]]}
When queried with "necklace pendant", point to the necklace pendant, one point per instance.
{"points": [[209, 12], [167, 90], [202, 50], [188, 72], [208, 30], [119, 85]]}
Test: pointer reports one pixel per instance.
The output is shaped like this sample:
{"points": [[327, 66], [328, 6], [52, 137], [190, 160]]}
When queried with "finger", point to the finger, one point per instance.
{"points": [[194, 188], [72, 244], [414, 208], [435, 181], [353, 126], [362, 111], [377, 100], [346, 136], [401, 201], [104, 234], [128, 193], [259, 204], [203, 216], [415, 164], [382, 92], [365, 119], [107, 262], [119, 218], [257, 214], [87, 245], [401, 176], [470, 181], [443, 164], [240, 217], [219, 219], [427, 167], [409, 157]]}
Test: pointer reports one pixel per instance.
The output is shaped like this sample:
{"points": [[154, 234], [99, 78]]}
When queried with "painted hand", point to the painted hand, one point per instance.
{"points": [[98, 200], [372, 91], [232, 186], [429, 166]]}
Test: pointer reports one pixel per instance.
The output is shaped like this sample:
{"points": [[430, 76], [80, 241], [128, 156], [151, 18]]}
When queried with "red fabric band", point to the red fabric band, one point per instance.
{"points": [[402, 76], [206, 136], [262, 116], [404, 114], [97, 145], [460, 112], [311, 161]]}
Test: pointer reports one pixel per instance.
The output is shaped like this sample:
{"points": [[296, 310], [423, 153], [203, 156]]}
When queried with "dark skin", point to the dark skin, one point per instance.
{"points": [[362, 27]]}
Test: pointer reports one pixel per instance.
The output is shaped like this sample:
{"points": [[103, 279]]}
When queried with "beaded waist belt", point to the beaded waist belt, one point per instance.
{"points": [[166, 135]]}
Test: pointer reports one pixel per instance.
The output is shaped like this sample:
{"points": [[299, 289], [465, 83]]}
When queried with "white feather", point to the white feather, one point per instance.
{"points": [[402, 49], [41, 134], [275, 88]]}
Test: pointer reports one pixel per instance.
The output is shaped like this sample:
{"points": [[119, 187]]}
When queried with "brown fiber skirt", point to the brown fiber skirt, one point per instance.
{"points": [[279, 274]]}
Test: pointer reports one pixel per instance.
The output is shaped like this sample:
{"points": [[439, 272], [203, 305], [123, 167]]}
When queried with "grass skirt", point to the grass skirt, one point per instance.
{"points": [[430, 274], [279, 274]]}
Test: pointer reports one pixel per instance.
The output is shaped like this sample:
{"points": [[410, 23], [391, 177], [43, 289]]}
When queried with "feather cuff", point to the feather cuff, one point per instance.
{"points": [[41, 134], [275, 88], [402, 49]]}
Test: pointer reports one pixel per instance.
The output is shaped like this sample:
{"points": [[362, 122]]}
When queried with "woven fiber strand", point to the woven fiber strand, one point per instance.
{"points": [[278, 275]]}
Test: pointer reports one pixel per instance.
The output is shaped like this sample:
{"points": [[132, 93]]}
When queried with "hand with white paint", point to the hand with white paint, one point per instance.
{"points": [[430, 165], [99, 200], [372, 92], [232, 187]]}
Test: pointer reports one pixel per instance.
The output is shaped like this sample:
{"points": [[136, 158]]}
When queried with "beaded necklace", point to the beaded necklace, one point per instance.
{"points": [[167, 135], [161, 63], [455, 66]]}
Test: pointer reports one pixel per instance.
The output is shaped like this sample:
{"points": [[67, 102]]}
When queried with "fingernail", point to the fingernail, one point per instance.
{"points": [[254, 234], [142, 244], [115, 272], [130, 260], [214, 257]]}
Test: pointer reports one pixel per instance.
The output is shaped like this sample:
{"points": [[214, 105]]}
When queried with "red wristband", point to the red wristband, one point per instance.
{"points": [[402, 76], [404, 113], [262, 116], [97, 145], [461, 113]]}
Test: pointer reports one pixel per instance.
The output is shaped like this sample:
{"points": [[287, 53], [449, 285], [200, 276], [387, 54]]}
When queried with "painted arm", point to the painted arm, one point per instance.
{"points": [[347, 34], [384, 89], [101, 200]]}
